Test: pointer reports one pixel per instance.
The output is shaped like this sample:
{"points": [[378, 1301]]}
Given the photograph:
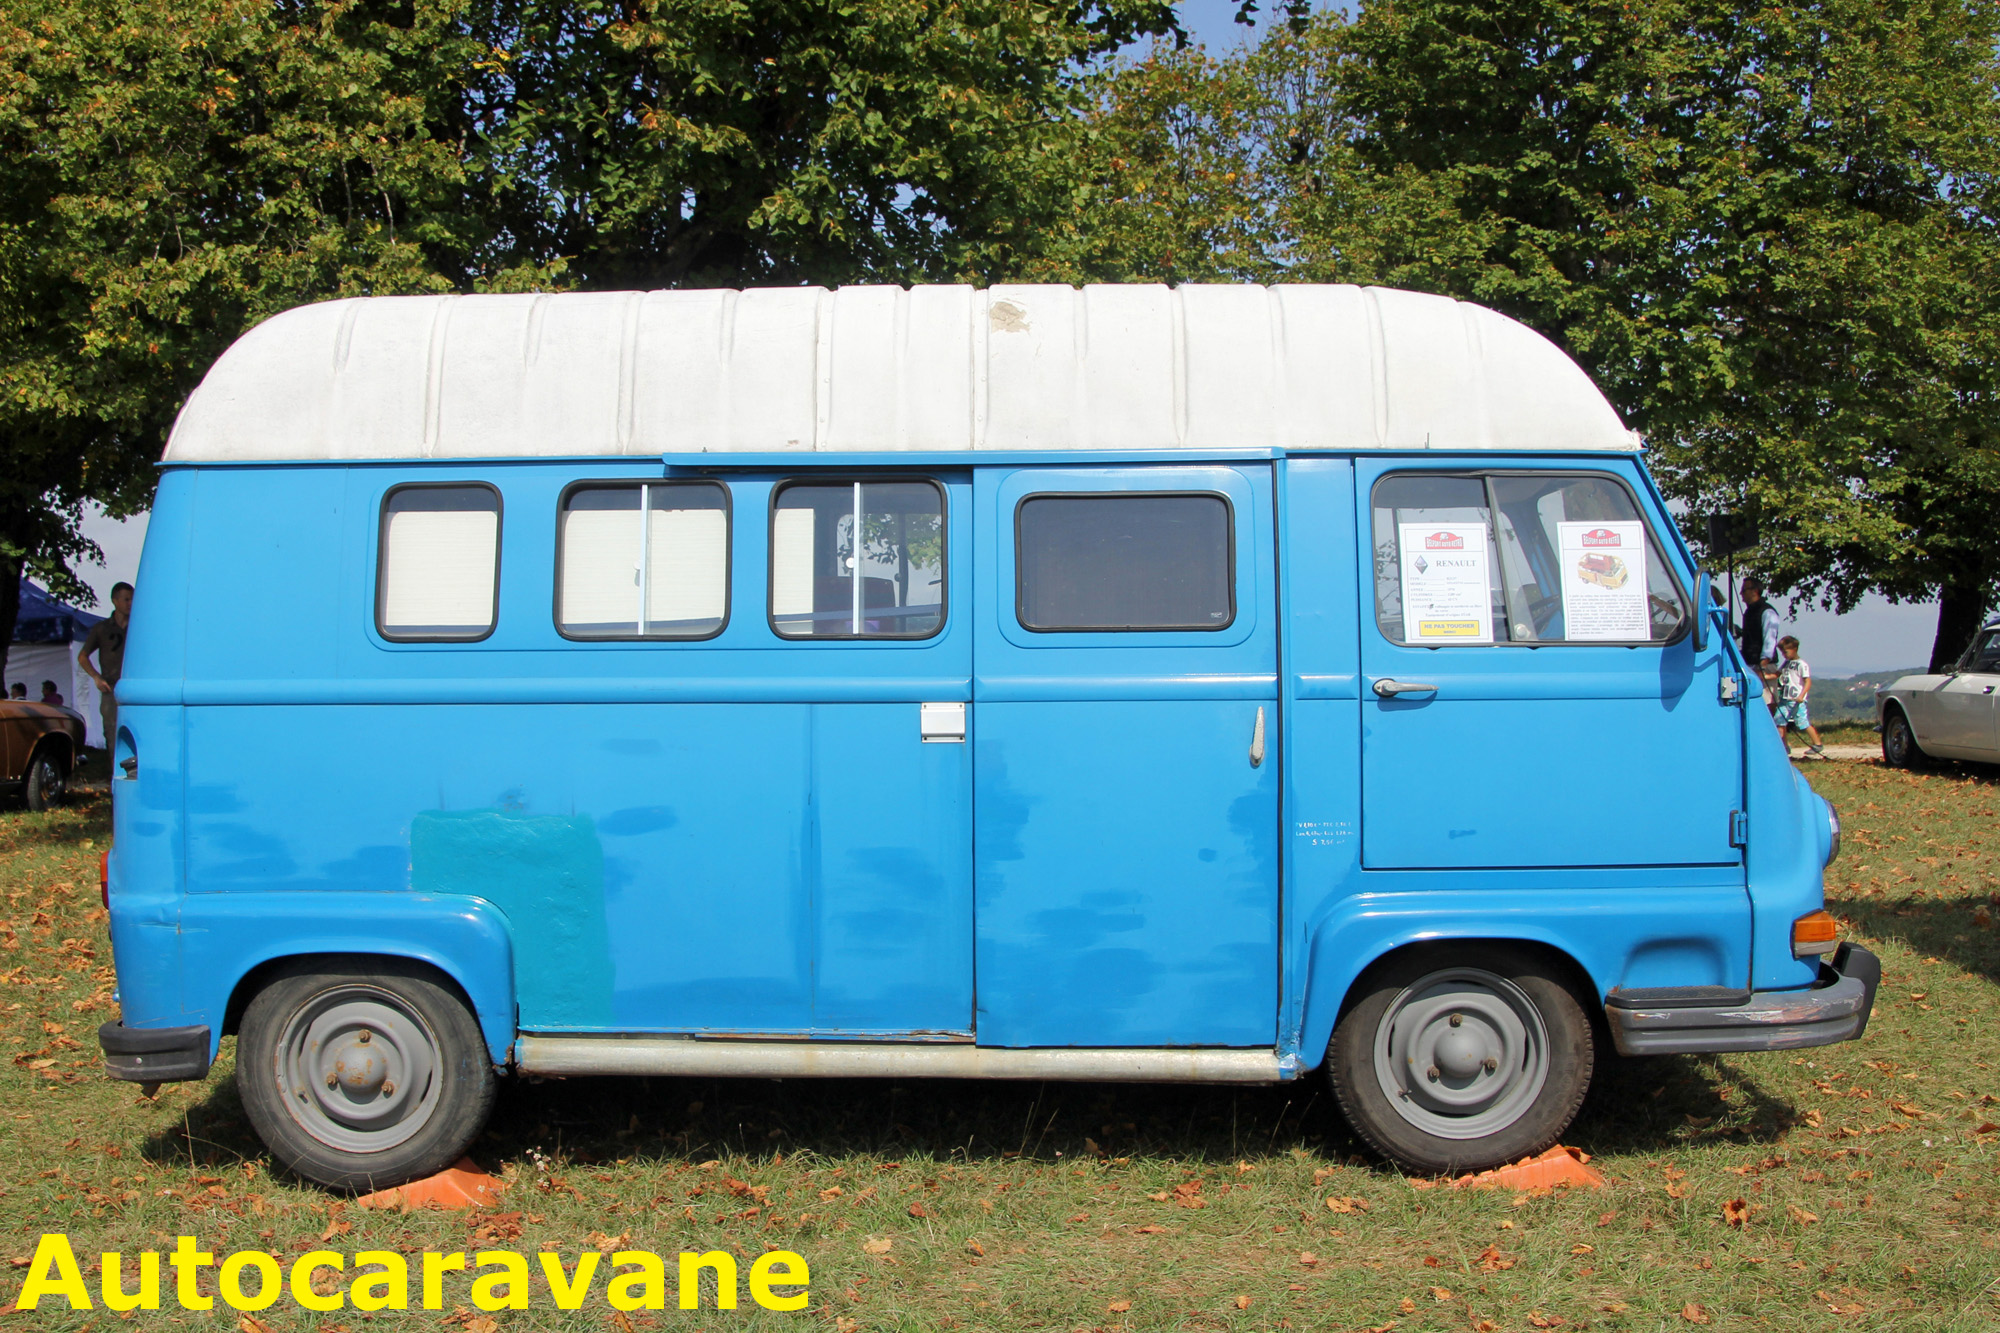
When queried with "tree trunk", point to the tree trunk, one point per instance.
{"points": [[1962, 607], [10, 609]]}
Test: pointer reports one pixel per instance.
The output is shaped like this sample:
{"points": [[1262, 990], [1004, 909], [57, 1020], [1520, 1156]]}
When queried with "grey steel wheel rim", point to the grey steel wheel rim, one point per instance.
{"points": [[358, 1068], [1463, 1079]]}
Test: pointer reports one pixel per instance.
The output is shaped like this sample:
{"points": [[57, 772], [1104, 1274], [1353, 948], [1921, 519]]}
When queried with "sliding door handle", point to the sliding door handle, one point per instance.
{"points": [[1389, 689], [1257, 740]]}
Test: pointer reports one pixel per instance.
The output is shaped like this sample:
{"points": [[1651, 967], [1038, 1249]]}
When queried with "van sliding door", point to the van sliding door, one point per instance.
{"points": [[1126, 767]]}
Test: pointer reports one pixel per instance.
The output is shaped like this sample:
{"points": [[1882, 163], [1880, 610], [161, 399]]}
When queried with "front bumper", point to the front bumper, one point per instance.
{"points": [[154, 1055], [1669, 1022]]}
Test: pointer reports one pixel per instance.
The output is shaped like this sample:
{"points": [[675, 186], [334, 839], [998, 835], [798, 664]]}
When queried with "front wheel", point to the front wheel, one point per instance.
{"points": [[1460, 1057], [363, 1073], [47, 783], [1899, 741]]}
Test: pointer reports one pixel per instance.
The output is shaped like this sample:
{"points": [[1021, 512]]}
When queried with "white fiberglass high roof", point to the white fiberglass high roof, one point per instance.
{"points": [[872, 369]]}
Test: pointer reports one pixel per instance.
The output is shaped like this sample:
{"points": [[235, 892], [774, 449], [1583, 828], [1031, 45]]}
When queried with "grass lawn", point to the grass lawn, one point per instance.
{"points": [[1870, 1172]]}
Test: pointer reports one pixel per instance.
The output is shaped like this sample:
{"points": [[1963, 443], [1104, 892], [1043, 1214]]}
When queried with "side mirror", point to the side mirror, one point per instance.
{"points": [[1704, 597]]}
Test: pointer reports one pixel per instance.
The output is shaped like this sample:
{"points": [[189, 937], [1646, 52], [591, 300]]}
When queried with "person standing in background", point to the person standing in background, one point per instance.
{"points": [[18, 690], [107, 640], [1759, 634]]}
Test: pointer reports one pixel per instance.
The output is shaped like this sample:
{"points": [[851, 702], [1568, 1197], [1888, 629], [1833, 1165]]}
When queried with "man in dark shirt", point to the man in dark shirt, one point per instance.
{"points": [[1759, 633], [107, 640]]}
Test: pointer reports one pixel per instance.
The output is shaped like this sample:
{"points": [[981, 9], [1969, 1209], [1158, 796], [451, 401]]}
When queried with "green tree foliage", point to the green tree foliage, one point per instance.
{"points": [[723, 143], [1765, 229], [172, 171]]}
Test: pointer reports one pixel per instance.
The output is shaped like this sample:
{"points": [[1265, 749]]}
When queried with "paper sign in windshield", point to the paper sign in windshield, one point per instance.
{"points": [[1604, 581], [1445, 585]]}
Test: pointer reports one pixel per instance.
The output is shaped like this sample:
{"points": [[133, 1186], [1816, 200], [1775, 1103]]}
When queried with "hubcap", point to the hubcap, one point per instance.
{"points": [[357, 1069], [49, 779], [1462, 1053]]}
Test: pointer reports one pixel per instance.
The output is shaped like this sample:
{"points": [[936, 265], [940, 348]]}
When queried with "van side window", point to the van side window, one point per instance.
{"points": [[858, 560], [1561, 558], [1581, 565], [1147, 561], [438, 568], [647, 561], [1437, 578]]}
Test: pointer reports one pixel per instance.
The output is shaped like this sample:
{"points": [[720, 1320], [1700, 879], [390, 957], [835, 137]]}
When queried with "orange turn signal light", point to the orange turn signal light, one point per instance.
{"points": [[1814, 933]]}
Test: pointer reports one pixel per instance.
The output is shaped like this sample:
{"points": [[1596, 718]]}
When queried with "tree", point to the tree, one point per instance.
{"points": [[1765, 229], [653, 143], [172, 171]]}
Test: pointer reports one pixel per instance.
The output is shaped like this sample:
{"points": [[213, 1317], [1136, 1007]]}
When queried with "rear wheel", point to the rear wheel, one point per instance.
{"points": [[1899, 741], [47, 780], [1460, 1057], [362, 1073]]}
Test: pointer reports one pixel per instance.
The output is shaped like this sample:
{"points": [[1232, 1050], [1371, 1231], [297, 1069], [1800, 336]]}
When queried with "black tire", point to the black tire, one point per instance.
{"points": [[1457, 1006], [47, 779], [323, 1092], [1899, 742]]}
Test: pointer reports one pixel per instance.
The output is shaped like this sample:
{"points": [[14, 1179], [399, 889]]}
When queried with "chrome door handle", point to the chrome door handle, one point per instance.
{"points": [[1389, 689], [1257, 740]]}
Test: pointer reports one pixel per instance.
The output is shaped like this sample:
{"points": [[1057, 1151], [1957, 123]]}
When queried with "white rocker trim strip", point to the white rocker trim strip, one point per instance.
{"points": [[682, 1057]]}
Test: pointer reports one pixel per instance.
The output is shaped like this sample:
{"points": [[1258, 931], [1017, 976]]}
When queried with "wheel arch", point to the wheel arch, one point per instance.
{"points": [[59, 742], [1598, 939], [233, 942]]}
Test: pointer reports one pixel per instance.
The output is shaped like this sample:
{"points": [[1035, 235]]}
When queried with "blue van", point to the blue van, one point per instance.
{"points": [[1211, 684]]}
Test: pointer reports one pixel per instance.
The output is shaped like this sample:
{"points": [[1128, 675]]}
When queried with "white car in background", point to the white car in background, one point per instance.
{"points": [[1954, 715]]}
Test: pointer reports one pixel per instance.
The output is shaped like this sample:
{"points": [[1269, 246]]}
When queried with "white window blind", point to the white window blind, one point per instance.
{"points": [[644, 561], [440, 558]]}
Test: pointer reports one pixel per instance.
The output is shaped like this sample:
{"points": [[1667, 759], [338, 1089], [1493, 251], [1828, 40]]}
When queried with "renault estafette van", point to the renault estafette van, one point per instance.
{"points": [[1211, 684]]}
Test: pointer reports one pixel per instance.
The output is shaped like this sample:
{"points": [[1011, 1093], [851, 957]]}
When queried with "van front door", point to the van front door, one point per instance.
{"points": [[1126, 762], [1531, 695]]}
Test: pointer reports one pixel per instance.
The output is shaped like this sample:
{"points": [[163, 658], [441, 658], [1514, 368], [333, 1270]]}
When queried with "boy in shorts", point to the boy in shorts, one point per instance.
{"points": [[1794, 688]]}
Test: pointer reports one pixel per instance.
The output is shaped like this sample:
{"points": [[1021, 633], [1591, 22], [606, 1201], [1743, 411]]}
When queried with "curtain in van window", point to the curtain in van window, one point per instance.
{"points": [[646, 561], [439, 562]]}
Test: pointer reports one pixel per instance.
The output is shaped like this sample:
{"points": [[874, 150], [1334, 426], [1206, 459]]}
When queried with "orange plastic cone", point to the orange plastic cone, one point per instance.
{"points": [[460, 1185], [1557, 1166]]}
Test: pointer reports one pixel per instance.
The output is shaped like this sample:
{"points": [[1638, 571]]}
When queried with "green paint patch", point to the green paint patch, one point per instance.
{"points": [[546, 872]]}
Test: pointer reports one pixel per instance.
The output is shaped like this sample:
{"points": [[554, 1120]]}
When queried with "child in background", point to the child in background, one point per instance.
{"points": [[1794, 688]]}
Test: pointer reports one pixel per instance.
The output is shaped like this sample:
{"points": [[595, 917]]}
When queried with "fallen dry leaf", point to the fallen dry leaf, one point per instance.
{"points": [[1242, 1302], [1604, 1219], [1309, 1259], [842, 1324], [1800, 1215], [878, 1245], [1119, 1307], [1583, 1249], [1407, 1306], [1539, 1320], [252, 1324], [481, 1324], [1491, 1260], [1614, 1307], [336, 1228], [974, 1248], [1736, 1212], [1440, 1293], [622, 1322], [1347, 1203], [1694, 1314]]}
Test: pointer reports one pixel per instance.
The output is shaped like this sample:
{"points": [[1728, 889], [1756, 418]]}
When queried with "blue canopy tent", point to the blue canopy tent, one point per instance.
{"points": [[47, 634]]}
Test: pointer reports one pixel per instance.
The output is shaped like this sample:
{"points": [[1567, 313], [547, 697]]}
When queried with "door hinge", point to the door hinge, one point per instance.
{"points": [[1739, 828], [1730, 689]]}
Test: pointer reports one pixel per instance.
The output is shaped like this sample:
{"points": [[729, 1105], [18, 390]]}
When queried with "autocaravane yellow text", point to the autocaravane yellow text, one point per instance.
{"points": [[381, 1279]]}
